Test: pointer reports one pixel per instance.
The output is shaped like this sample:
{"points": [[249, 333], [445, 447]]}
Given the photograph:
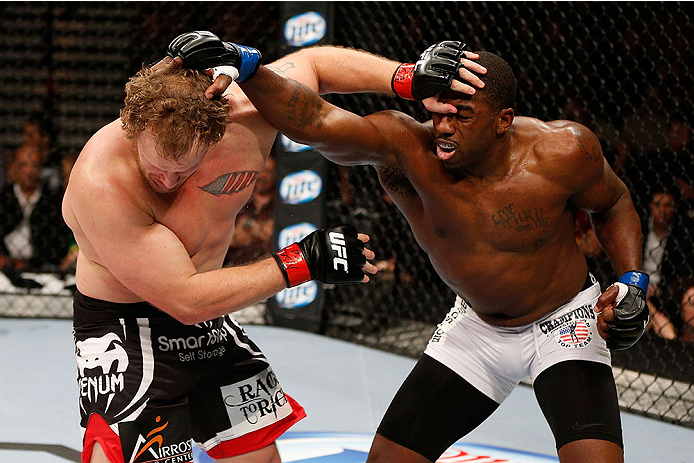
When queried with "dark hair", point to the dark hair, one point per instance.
{"points": [[499, 82]]}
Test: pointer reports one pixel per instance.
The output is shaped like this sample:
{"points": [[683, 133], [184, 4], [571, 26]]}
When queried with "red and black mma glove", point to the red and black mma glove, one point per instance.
{"points": [[331, 255], [431, 74], [203, 50], [631, 312]]}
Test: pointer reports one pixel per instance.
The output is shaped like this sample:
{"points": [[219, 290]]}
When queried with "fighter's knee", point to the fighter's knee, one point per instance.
{"points": [[593, 450], [376, 457], [386, 451]]}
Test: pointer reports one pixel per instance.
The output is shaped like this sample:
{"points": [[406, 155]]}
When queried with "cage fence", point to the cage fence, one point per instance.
{"points": [[623, 69]]}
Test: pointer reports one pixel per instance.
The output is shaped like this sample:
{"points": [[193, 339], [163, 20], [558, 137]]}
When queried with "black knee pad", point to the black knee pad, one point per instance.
{"points": [[579, 401]]}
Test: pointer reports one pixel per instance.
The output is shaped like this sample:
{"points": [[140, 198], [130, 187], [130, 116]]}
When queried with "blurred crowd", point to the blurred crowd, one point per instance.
{"points": [[652, 152], [658, 168], [33, 234]]}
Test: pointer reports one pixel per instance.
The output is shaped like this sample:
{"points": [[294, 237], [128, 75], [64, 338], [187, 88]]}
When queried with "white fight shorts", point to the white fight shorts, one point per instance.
{"points": [[495, 359]]}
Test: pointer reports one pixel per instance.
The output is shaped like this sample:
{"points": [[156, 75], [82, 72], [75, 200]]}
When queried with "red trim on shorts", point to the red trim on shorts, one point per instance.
{"points": [[99, 431], [258, 439]]}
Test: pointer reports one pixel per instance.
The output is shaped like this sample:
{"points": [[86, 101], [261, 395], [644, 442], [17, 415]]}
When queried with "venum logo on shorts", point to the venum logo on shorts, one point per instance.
{"points": [[571, 329], [101, 364], [255, 403], [153, 446]]}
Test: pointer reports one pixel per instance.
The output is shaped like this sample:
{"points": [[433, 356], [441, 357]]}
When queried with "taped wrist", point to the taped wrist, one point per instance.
{"points": [[635, 277], [631, 316], [293, 264], [401, 83], [249, 58]]}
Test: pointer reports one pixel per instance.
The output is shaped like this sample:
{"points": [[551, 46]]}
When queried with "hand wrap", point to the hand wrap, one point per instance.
{"points": [[631, 312], [203, 50], [330, 255], [433, 73]]}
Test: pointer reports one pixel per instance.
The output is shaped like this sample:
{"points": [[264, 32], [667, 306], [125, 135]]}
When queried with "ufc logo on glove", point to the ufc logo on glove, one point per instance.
{"points": [[313, 258], [338, 245]]}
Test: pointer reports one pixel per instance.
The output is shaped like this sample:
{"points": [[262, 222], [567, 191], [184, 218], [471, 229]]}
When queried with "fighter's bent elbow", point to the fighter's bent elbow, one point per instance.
{"points": [[184, 311]]}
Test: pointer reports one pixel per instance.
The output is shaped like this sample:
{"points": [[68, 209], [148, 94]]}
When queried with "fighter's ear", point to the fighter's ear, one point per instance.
{"points": [[503, 120]]}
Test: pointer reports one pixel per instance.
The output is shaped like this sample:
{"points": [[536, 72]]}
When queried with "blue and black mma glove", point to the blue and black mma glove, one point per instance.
{"points": [[331, 255], [431, 74], [202, 50], [631, 312]]}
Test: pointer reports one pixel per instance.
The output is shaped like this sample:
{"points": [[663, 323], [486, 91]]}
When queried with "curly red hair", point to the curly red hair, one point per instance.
{"points": [[173, 106]]}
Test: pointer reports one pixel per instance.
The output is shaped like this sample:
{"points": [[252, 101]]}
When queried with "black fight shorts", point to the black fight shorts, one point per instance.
{"points": [[149, 386]]}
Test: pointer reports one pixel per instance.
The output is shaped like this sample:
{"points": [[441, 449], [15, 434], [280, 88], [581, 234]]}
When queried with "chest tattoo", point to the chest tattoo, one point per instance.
{"points": [[233, 182], [511, 218]]}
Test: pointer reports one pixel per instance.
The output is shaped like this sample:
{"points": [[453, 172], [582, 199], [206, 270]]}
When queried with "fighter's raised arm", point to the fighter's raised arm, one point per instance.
{"points": [[298, 112], [288, 99], [345, 138]]}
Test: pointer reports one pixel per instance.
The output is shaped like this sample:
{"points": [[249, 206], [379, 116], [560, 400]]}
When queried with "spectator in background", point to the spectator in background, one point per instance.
{"points": [[38, 133], [668, 258], [33, 234], [686, 333], [657, 229], [668, 246], [665, 163], [680, 308], [254, 224]]}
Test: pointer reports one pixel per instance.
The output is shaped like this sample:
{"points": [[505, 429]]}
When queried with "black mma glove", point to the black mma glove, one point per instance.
{"points": [[631, 312], [203, 50], [330, 255], [432, 74]]}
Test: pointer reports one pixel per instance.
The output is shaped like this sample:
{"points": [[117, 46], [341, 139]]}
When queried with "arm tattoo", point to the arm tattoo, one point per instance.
{"points": [[233, 182], [283, 68], [303, 107], [590, 146]]}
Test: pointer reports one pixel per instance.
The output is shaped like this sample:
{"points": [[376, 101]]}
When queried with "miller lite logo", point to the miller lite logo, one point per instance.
{"points": [[294, 234], [337, 244], [305, 29], [298, 296], [300, 187]]}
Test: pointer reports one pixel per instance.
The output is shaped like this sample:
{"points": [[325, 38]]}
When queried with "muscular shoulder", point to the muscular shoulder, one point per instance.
{"points": [[566, 151], [106, 172]]}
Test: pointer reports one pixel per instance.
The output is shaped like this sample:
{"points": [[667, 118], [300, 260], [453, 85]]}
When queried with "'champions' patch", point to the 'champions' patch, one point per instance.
{"points": [[572, 329]]}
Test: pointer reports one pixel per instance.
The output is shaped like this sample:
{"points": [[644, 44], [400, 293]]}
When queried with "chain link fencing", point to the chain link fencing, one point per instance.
{"points": [[622, 69]]}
